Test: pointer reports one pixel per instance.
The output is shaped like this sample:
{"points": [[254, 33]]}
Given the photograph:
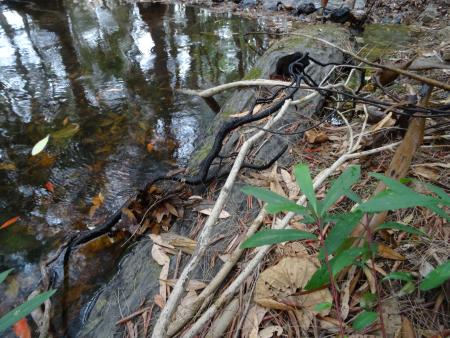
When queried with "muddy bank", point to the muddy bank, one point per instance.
{"points": [[136, 284]]}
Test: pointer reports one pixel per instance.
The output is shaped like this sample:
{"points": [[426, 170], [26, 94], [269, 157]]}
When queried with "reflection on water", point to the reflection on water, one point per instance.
{"points": [[101, 80]]}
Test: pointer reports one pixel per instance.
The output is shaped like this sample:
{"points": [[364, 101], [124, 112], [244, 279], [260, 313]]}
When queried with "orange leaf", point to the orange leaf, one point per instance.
{"points": [[9, 222], [150, 147], [21, 329], [49, 186]]}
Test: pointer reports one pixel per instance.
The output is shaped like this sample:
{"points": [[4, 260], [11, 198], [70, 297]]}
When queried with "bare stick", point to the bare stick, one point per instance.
{"points": [[160, 329], [238, 84], [411, 75], [218, 278], [226, 296]]}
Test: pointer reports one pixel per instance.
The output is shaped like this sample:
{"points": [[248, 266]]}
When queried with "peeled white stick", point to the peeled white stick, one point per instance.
{"points": [[250, 267], [237, 84], [160, 329]]}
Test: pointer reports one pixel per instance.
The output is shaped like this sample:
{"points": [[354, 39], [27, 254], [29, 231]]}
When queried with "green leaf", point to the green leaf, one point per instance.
{"points": [[342, 230], [5, 274], [438, 211], [346, 258], [399, 275], [436, 277], [393, 200], [368, 300], [407, 289], [23, 310], [304, 181], [444, 197], [402, 227], [340, 187], [273, 236], [38, 147], [364, 319], [276, 203], [322, 306]]}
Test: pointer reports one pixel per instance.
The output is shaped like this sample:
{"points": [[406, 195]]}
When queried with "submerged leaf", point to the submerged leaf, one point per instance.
{"points": [[21, 329], [9, 222], [38, 147]]}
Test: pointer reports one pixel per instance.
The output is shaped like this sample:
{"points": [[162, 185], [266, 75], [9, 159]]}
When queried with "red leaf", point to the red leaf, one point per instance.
{"points": [[9, 222], [21, 329], [49, 186]]}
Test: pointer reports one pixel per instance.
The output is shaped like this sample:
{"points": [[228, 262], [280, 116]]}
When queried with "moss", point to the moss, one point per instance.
{"points": [[254, 73], [200, 154]]}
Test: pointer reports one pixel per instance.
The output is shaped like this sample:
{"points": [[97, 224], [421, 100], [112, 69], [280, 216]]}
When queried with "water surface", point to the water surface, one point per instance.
{"points": [[101, 78]]}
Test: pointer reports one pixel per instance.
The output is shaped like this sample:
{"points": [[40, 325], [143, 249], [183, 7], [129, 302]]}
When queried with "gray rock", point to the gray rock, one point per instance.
{"points": [[249, 3], [137, 279], [429, 14], [305, 9]]}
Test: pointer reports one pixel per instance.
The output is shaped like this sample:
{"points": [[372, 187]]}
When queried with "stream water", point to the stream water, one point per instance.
{"points": [[101, 78]]}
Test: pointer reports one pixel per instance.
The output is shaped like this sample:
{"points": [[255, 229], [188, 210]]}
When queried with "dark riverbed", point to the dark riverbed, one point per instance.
{"points": [[101, 79]]}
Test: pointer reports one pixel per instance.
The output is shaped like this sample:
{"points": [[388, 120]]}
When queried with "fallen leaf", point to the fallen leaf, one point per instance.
{"points": [[278, 288], [293, 188], [428, 173], [159, 301], [386, 122], [49, 186], [9, 222], [150, 147], [388, 253], [407, 329], [269, 331], [171, 209], [21, 329], [67, 132], [208, 211], [275, 185], [159, 255], [97, 201], [252, 320], [38, 147], [313, 136], [7, 166], [65, 121], [185, 309], [193, 284]]}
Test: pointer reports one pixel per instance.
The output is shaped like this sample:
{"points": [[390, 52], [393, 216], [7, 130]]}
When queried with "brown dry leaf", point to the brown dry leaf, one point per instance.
{"points": [[159, 301], [391, 317], [275, 185], [159, 255], [278, 285], [388, 253], [97, 201], [314, 136], [171, 209], [184, 244], [244, 113], [293, 188], [130, 216], [193, 284], [252, 320], [428, 173], [208, 211], [7, 166], [370, 279], [407, 329], [160, 213], [131, 329], [185, 309], [269, 331]]}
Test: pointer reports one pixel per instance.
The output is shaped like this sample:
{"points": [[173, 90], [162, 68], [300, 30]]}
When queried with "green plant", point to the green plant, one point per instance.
{"points": [[24, 309], [337, 248]]}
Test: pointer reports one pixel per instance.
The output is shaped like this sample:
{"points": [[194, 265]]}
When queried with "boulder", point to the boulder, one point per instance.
{"points": [[137, 279]]}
